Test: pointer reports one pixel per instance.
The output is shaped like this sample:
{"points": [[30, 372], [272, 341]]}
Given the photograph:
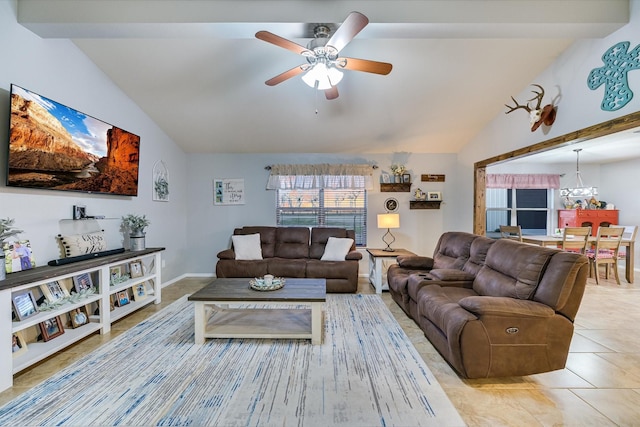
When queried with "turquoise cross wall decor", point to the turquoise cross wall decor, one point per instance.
{"points": [[618, 61]]}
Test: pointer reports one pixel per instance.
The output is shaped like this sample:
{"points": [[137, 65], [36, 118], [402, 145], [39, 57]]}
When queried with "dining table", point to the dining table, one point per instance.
{"points": [[556, 241]]}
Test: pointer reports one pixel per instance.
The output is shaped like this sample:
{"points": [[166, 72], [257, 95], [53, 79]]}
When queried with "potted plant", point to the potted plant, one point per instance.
{"points": [[397, 171], [6, 230], [136, 225]]}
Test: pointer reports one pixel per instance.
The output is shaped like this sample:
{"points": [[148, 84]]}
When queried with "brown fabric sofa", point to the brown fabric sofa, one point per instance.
{"points": [[295, 252], [493, 308]]}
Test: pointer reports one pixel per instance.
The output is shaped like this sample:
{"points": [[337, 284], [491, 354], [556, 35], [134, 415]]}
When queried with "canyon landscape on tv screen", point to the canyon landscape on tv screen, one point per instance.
{"points": [[52, 146]]}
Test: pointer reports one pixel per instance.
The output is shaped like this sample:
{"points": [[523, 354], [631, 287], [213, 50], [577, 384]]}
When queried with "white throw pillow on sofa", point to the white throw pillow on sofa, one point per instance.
{"points": [[247, 247], [336, 249]]}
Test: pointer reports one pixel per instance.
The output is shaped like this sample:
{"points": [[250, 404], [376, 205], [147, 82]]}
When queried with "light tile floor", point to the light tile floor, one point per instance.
{"points": [[599, 387]]}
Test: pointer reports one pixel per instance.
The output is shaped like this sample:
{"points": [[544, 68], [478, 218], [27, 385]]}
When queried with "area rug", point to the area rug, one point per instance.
{"points": [[366, 373]]}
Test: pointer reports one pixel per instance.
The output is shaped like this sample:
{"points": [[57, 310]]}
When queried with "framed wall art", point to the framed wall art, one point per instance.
{"points": [[228, 191], [434, 196], [160, 182]]}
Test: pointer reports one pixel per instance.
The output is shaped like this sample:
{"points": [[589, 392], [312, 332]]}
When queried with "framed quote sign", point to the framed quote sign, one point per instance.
{"points": [[228, 191]]}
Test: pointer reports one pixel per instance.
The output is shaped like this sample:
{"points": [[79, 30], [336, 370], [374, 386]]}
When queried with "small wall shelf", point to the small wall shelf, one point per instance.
{"points": [[398, 187], [424, 204]]}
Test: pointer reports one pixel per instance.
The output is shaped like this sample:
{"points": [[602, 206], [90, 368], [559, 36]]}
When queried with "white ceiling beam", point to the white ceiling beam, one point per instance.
{"points": [[389, 19]]}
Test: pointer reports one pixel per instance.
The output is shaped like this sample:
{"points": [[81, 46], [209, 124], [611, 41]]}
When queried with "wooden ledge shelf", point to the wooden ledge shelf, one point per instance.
{"points": [[424, 204], [398, 187]]}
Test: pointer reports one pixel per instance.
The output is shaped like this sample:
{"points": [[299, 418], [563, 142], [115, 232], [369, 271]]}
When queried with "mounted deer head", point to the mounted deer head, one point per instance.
{"points": [[537, 115]]}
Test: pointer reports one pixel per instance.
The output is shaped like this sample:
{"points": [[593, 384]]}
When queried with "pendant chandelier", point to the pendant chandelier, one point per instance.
{"points": [[580, 191]]}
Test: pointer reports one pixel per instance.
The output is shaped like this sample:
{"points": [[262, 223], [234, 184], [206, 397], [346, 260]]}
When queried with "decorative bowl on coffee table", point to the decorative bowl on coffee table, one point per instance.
{"points": [[259, 284]]}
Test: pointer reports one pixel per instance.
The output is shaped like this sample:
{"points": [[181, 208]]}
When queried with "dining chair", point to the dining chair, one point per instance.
{"points": [[606, 252], [630, 232], [513, 232], [575, 239]]}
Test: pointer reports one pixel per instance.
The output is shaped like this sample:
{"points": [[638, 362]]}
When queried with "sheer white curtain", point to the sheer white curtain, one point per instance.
{"points": [[523, 181], [333, 176]]}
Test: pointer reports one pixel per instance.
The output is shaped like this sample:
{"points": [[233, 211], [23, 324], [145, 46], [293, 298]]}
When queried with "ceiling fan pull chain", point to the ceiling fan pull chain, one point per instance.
{"points": [[316, 91]]}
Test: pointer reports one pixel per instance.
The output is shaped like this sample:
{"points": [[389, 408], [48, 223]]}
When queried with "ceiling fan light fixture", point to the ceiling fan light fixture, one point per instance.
{"points": [[321, 77]]}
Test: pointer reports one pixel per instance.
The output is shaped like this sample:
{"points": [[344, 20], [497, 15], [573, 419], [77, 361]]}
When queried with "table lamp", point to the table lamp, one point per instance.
{"points": [[388, 221]]}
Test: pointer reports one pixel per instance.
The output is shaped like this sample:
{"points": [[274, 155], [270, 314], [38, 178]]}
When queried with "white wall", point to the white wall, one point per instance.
{"points": [[210, 226], [578, 107], [58, 70]]}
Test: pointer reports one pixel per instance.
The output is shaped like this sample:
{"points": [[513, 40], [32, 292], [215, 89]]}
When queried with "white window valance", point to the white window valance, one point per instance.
{"points": [[314, 176], [523, 181]]}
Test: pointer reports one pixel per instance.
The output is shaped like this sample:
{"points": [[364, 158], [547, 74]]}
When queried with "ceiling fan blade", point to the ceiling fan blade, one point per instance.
{"points": [[351, 26], [366, 65], [285, 76], [331, 93], [282, 42]]}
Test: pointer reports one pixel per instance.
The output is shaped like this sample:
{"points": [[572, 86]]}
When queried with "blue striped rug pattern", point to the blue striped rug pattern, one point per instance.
{"points": [[366, 373]]}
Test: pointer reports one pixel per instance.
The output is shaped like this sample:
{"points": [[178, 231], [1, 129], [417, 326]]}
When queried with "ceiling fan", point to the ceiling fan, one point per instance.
{"points": [[323, 67]]}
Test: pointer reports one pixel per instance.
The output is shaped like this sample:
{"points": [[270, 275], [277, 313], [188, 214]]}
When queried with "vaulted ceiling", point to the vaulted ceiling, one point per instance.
{"points": [[196, 68]]}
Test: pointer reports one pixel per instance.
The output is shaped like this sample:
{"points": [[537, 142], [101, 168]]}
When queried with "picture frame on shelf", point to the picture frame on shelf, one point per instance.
{"points": [[82, 282], [406, 178], [434, 196], [79, 212], [115, 273], [53, 291], [18, 256], [135, 269], [385, 178], [51, 328], [78, 317], [19, 344], [139, 291], [24, 304], [122, 298]]}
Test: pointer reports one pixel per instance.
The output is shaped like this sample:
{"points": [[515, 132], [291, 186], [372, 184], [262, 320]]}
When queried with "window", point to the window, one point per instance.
{"points": [[528, 208], [322, 195], [346, 208]]}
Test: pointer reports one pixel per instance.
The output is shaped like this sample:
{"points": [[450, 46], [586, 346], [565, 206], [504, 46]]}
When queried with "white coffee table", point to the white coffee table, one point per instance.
{"points": [[214, 318]]}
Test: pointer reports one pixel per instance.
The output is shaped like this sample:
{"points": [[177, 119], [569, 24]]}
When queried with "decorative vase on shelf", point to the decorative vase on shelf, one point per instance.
{"points": [[136, 225], [137, 242]]}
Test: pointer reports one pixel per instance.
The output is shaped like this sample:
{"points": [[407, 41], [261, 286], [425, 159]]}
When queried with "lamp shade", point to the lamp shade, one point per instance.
{"points": [[388, 220], [322, 76]]}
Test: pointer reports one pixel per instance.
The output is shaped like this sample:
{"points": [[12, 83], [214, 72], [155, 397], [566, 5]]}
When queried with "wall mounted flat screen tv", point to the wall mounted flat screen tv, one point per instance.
{"points": [[52, 146]]}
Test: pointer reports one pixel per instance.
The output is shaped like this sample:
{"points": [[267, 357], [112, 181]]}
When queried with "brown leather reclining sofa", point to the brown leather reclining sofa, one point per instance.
{"points": [[295, 252], [493, 308]]}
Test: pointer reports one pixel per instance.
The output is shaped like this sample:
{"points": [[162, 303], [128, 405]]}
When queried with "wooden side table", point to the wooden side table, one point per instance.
{"points": [[376, 257]]}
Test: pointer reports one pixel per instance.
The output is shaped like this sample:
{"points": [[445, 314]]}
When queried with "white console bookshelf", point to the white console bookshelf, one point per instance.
{"points": [[99, 321]]}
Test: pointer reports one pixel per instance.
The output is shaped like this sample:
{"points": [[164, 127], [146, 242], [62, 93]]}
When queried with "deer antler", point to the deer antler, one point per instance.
{"points": [[525, 107], [539, 96]]}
